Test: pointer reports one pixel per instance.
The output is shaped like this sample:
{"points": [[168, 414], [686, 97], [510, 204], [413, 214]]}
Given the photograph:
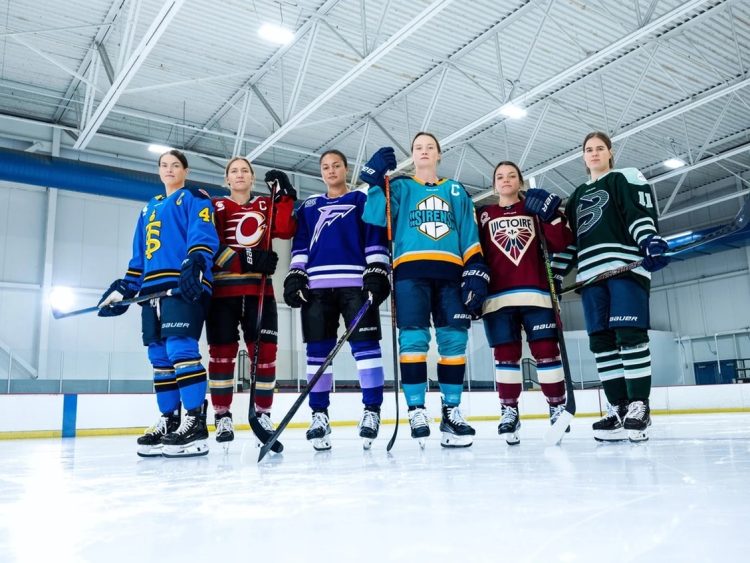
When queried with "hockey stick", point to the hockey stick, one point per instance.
{"points": [[310, 384], [57, 314], [394, 338], [261, 433], [740, 221], [556, 431]]}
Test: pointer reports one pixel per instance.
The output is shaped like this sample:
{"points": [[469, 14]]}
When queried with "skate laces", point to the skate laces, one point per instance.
{"points": [[455, 416], [613, 411], [186, 425], [319, 420], [224, 424], [265, 422], [370, 419], [636, 409], [555, 412], [509, 415], [418, 418], [160, 427]]}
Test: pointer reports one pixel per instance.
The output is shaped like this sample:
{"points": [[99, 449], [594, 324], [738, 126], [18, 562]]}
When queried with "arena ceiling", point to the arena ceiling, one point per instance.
{"points": [[100, 80]]}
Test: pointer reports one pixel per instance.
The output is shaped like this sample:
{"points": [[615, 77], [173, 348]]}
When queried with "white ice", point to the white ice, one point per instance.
{"points": [[683, 496]]}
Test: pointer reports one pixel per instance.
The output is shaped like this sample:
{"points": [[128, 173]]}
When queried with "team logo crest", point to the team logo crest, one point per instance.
{"points": [[433, 217], [247, 229], [512, 236], [328, 215]]}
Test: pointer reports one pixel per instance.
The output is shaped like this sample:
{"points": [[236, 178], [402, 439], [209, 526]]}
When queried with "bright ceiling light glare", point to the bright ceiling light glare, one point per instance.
{"points": [[275, 33], [159, 149], [673, 163], [513, 111], [61, 298]]}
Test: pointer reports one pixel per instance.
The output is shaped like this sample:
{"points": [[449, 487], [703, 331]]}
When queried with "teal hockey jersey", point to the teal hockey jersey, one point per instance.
{"points": [[434, 226]]}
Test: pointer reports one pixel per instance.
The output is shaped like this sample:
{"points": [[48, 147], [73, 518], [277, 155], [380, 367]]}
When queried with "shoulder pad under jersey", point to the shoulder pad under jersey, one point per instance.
{"points": [[633, 176]]}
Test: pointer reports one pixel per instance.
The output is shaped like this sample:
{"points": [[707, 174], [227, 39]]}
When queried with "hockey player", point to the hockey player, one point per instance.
{"points": [[337, 259], [245, 255], [439, 274], [173, 248], [519, 294], [614, 222]]}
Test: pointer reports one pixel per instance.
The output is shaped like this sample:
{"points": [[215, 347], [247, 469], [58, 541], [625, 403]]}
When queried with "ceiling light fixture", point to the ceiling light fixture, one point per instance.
{"points": [[275, 33], [159, 149], [513, 111], [673, 163]]}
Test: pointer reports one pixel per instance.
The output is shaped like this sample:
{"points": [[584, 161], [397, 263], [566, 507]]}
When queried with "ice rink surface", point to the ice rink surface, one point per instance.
{"points": [[683, 496]]}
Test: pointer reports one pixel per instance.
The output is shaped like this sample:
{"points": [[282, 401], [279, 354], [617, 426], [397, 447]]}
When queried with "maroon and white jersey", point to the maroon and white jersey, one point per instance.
{"points": [[511, 249], [243, 226]]}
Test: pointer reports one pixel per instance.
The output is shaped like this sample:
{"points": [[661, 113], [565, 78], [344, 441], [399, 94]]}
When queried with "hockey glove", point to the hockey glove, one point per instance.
{"points": [[375, 281], [284, 189], [191, 277], [474, 282], [260, 261], [542, 203], [654, 247], [296, 291], [119, 290], [373, 173]]}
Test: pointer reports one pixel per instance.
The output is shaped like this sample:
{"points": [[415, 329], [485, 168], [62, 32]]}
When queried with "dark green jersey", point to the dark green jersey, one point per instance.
{"points": [[610, 218]]}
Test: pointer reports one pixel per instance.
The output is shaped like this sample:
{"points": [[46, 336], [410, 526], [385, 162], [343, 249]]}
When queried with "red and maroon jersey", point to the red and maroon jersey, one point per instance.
{"points": [[246, 226], [511, 249]]}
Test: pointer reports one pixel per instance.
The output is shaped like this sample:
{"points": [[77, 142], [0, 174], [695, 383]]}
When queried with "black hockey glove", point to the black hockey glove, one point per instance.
{"points": [[375, 281], [284, 188], [542, 203], [260, 261], [191, 277], [373, 173], [296, 291], [655, 248], [474, 282], [119, 290]]}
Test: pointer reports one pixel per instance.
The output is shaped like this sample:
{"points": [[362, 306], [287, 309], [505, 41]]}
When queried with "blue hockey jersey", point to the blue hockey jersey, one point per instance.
{"points": [[333, 244], [168, 229], [434, 226]]}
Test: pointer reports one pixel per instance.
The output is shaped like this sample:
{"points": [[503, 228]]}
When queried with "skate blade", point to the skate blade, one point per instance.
{"points": [[321, 444], [367, 443], [638, 435], [511, 439], [197, 448], [449, 440], [610, 436], [150, 451]]}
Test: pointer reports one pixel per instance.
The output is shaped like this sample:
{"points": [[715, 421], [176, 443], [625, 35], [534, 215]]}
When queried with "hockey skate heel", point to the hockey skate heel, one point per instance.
{"points": [[319, 433], [610, 428], [191, 438], [456, 431], [637, 420], [149, 445], [368, 427], [510, 424], [420, 425]]}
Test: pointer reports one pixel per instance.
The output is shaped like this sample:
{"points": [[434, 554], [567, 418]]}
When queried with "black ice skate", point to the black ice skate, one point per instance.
{"points": [[456, 431], [190, 439], [224, 429], [509, 425], [149, 445], [609, 428], [637, 420], [420, 425], [555, 412], [369, 426], [319, 431]]}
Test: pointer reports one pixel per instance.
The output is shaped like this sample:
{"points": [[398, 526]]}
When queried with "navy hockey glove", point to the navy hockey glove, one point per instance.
{"points": [[474, 282], [296, 291], [285, 187], [375, 281], [654, 247], [373, 173], [260, 261], [191, 277], [119, 290], [542, 203]]}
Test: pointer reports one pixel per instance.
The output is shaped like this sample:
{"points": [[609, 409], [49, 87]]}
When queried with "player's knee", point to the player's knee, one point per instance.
{"points": [[631, 337], [157, 355], [602, 342], [546, 349], [320, 348], [451, 341], [509, 353], [182, 348], [267, 352], [223, 351], [414, 339]]}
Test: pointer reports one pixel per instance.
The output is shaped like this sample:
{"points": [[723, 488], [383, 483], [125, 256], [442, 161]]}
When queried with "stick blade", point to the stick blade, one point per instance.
{"points": [[555, 434], [264, 436]]}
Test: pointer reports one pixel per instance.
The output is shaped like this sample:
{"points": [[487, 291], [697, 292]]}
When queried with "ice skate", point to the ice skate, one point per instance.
{"points": [[456, 431], [637, 420], [264, 418], [224, 429], [149, 445], [319, 432], [609, 428], [191, 438], [368, 427], [420, 425], [555, 412], [509, 425]]}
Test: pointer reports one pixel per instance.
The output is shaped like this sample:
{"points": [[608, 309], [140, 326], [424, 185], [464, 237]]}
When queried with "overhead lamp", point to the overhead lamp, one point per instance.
{"points": [[61, 298], [673, 163], [159, 149], [275, 33], [513, 111]]}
